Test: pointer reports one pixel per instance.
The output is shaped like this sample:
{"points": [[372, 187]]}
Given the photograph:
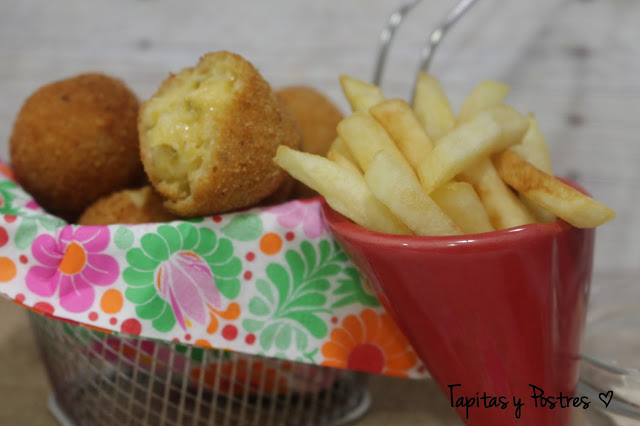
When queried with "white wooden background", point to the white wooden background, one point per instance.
{"points": [[575, 63]]}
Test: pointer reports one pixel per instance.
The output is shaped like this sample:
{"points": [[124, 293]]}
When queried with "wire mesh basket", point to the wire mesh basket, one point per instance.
{"points": [[104, 379]]}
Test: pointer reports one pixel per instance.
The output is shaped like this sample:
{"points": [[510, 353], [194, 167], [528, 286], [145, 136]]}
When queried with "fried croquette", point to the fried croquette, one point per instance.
{"points": [[282, 194], [318, 118], [74, 141], [209, 134], [127, 206]]}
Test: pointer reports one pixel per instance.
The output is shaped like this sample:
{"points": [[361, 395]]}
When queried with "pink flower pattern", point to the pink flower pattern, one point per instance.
{"points": [[71, 265], [186, 282], [296, 212]]}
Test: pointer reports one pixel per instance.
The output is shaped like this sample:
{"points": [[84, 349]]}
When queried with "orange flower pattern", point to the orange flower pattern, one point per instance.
{"points": [[369, 342]]}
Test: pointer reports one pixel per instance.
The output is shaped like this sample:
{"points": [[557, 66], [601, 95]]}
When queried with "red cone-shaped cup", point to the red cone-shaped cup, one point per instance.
{"points": [[497, 318]]}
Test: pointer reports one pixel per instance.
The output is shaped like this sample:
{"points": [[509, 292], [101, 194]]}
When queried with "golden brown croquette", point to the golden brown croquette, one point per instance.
{"points": [[129, 206], [74, 141], [318, 118], [282, 194], [208, 136]]}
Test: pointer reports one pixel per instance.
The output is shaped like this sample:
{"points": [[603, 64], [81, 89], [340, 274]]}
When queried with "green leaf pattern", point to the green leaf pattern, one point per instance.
{"points": [[15, 201], [293, 304]]}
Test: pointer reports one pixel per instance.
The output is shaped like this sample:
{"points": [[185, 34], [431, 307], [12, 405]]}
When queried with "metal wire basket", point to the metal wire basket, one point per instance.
{"points": [[104, 379]]}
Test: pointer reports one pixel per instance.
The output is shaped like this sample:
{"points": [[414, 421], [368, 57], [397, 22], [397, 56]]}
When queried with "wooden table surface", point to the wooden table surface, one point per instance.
{"points": [[575, 63]]}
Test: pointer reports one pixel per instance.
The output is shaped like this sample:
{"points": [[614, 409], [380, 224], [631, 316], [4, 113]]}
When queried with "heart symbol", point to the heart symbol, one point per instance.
{"points": [[606, 398]]}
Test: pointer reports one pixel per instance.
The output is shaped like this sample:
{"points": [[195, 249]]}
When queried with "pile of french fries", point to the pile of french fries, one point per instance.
{"points": [[420, 169]]}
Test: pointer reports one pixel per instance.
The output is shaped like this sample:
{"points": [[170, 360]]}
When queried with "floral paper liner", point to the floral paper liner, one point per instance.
{"points": [[265, 281]]}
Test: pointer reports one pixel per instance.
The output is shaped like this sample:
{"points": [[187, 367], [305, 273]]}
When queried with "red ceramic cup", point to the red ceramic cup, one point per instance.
{"points": [[497, 318]]}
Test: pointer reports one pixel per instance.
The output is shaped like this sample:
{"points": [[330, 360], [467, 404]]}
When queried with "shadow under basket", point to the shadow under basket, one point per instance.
{"points": [[104, 379]]}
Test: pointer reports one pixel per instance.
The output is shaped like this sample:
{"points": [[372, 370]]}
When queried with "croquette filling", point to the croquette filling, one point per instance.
{"points": [[139, 197], [182, 124]]}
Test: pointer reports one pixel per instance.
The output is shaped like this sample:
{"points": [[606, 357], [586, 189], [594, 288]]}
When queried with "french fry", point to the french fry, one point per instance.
{"points": [[404, 196], [549, 192], [420, 170], [401, 123], [343, 161], [340, 147], [365, 137], [504, 208], [541, 214], [533, 147], [344, 190], [459, 201], [486, 94], [432, 107], [490, 131], [360, 94]]}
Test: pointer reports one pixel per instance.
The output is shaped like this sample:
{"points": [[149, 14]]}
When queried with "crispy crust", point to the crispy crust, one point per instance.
{"points": [[74, 141], [237, 169], [283, 193], [131, 206]]}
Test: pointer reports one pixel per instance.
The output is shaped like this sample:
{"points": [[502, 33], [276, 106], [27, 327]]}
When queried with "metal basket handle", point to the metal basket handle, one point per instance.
{"points": [[428, 49]]}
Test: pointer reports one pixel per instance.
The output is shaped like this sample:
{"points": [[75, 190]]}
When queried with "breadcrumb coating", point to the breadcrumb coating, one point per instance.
{"points": [[208, 136], [74, 141], [129, 206]]}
